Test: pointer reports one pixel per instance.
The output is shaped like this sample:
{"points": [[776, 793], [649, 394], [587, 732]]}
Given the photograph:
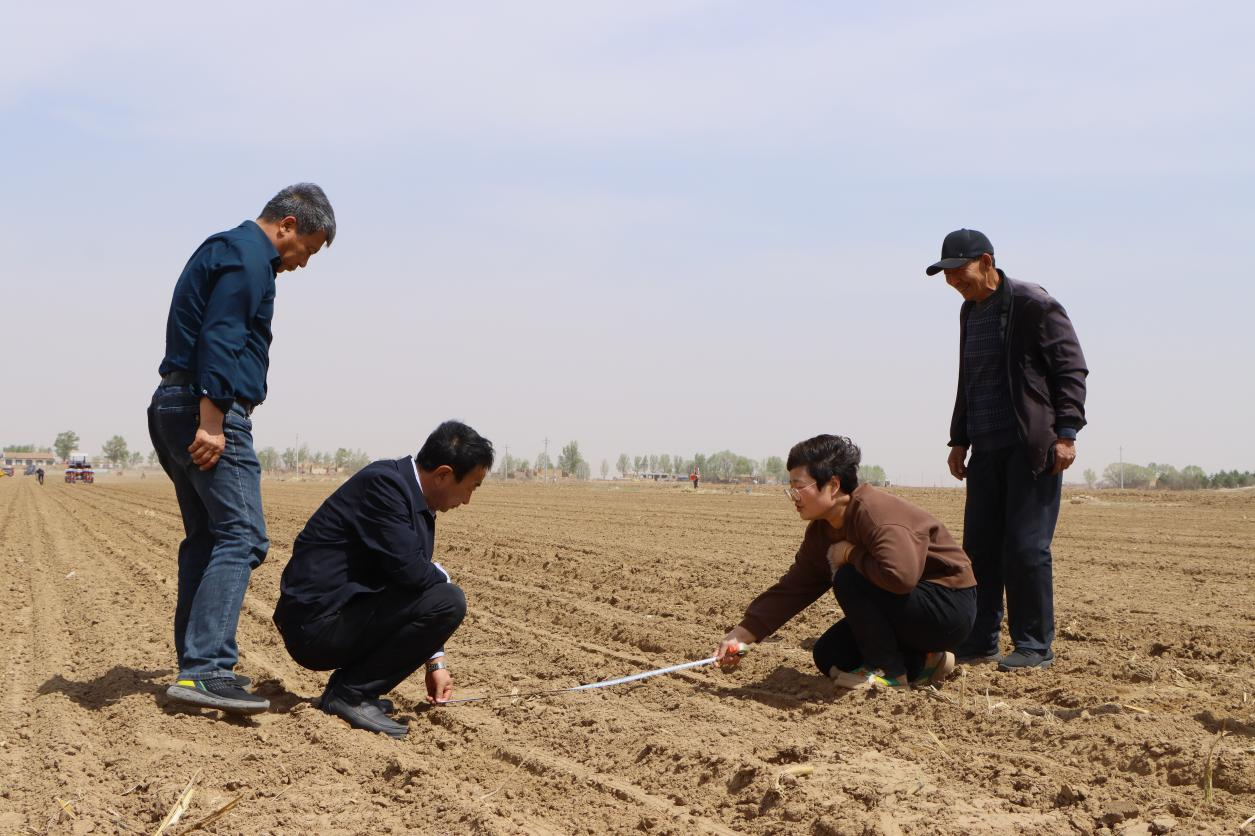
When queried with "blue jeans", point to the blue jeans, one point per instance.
{"points": [[1008, 524], [225, 532]]}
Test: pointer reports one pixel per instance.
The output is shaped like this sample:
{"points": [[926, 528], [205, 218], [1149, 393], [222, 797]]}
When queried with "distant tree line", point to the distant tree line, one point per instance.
{"points": [[304, 460], [723, 466], [570, 463], [1167, 477], [291, 460]]}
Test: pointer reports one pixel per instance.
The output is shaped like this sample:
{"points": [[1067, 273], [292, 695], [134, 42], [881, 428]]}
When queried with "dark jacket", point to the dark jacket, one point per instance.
{"points": [[1045, 371], [375, 532]]}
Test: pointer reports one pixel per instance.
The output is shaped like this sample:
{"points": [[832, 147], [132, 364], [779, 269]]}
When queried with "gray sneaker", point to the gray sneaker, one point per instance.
{"points": [[1024, 659], [222, 694]]}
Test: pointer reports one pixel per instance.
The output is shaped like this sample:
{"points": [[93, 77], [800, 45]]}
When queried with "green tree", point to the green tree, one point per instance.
{"points": [[1090, 477], [1135, 476], [871, 474], [1193, 477], [605, 468], [720, 467], [115, 452], [20, 448], [774, 468], [66, 443], [153, 461], [582, 470], [290, 458], [357, 460], [543, 462], [269, 459], [569, 459], [137, 458], [664, 463]]}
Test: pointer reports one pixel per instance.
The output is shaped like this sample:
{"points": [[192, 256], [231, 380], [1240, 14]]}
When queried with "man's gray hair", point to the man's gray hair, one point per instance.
{"points": [[306, 202]]}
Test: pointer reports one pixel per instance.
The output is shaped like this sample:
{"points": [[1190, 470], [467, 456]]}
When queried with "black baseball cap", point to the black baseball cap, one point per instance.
{"points": [[960, 247]]}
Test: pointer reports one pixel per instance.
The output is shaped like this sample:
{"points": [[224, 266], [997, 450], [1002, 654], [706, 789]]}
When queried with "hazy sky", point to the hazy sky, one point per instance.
{"points": [[652, 227]]}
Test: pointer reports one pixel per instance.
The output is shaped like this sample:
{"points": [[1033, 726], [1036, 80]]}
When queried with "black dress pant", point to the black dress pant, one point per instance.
{"points": [[891, 632], [375, 641]]}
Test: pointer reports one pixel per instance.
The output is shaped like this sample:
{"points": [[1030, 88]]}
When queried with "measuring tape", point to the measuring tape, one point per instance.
{"points": [[636, 677]]}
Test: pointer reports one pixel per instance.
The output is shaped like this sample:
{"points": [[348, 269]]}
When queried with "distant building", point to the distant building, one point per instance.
{"points": [[39, 458]]}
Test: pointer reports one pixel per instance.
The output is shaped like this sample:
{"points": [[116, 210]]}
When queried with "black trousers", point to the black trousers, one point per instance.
{"points": [[892, 632], [376, 641], [1008, 526]]}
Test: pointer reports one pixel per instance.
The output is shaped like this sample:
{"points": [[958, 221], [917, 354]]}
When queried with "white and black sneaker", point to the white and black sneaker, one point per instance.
{"points": [[223, 694]]}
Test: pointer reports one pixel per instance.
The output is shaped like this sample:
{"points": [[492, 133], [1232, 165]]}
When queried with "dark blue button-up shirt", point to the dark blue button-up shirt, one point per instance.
{"points": [[219, 324]]}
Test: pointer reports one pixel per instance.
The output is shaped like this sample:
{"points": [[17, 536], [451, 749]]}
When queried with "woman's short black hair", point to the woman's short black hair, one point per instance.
{"points": [[825, 456], [457, 445]]}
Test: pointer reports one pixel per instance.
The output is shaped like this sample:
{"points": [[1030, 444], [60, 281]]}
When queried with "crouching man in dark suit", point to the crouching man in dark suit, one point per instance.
{"points": [[362, 596]]}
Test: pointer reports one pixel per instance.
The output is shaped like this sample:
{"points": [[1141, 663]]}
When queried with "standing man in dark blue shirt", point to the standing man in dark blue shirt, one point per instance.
{"points": [[212, 378], [1020, 404]]}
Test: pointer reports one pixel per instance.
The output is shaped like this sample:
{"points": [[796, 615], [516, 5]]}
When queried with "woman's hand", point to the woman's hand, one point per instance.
{"points": [[839, 554], [732, 647]]}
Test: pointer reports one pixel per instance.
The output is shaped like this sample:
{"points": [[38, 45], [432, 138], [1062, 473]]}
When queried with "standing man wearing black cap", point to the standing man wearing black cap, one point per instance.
{"points": [[213, 376], [1020, 404]]}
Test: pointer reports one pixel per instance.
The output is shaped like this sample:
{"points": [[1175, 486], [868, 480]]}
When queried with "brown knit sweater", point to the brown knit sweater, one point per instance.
{"points": [[896, 546]]}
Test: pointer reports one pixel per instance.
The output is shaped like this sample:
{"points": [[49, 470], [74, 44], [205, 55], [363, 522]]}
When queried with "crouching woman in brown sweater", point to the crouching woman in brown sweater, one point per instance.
{"points": [[905, 586]]}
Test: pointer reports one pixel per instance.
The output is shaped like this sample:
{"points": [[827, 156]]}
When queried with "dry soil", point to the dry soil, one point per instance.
{"points": [[573, 583]]}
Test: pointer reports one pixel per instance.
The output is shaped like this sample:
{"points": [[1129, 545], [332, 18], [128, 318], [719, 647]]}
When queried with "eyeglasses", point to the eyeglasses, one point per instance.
{"points": [[792, 492]]}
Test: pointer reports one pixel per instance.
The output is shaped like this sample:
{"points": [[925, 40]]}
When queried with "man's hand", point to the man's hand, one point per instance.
{"points": [[728, 653], [1065, 454], [839, 554], [439, 686], [206, 448], [958, 455]]}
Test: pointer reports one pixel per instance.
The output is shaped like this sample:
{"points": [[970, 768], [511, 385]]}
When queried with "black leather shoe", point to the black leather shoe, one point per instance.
{"points": [[385, 705], [365, 715]]}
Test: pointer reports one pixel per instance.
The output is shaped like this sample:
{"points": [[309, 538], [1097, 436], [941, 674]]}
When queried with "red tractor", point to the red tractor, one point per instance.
{"points": [[79, 469]]}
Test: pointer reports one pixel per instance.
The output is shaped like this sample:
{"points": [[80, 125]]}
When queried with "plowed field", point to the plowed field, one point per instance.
{"points": [[568, 584]]}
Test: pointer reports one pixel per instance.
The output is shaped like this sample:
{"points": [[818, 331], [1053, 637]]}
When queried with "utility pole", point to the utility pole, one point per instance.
{"points": [[505, 462]]}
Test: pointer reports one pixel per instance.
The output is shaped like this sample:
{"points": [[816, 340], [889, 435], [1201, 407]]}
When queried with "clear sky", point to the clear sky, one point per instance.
{"points": [[652, 227]]}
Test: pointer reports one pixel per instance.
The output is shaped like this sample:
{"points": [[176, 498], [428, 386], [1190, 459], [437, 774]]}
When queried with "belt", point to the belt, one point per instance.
{"points": [[182, 378], [178, 378]]}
